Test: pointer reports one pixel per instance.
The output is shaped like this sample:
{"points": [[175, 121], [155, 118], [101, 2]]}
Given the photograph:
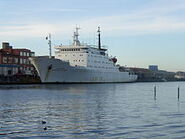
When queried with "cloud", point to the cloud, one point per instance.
{"points": [[64, 10], [112, 25], [158, 18], [24, 30]]}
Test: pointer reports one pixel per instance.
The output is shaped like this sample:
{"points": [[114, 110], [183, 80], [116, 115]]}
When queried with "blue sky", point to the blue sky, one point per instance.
{"points": [[138, 32]]}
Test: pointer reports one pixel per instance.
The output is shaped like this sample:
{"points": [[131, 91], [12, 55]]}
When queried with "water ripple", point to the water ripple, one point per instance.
{"points": [[91, 111]]}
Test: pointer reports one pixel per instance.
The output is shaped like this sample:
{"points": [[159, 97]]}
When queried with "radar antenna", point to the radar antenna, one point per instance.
{"points": [[76, 41], [99, 38]]}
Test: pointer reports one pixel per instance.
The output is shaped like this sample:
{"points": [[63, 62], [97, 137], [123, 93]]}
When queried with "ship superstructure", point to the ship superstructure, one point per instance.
{"points": [[80, 63]]}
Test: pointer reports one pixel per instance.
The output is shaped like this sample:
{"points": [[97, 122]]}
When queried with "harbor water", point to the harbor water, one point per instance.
{"points": [[76, 111]]}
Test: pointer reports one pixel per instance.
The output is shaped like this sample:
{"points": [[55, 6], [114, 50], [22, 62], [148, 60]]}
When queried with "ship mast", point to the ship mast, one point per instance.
{"points": [[76, 41], [49, 43], [99, 38]]}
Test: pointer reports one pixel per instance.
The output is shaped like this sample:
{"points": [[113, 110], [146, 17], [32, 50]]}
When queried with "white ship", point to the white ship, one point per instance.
{"points": [[80, 63]]}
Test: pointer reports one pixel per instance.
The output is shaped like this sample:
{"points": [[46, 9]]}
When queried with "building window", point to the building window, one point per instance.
{"points": [[32, 54], [4, 59], [21, 53], [21, 61], [24, 61], [10, 60], [28, 62], [24, 53], [16, 60]]}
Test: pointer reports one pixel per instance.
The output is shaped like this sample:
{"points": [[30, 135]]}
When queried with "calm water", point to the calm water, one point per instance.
{"points": [[92, 111]]}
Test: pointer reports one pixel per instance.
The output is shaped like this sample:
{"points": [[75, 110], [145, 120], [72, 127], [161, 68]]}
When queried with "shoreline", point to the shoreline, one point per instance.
{"points": [[40, 83]]}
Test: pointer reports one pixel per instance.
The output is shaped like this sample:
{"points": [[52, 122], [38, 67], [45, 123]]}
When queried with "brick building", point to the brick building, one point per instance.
{"points": [[15, 61]]}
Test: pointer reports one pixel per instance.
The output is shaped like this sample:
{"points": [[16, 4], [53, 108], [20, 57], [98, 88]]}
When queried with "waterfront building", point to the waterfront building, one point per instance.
{"points": [[153, 67], [15, 61], [180, 75], [153, 75]]}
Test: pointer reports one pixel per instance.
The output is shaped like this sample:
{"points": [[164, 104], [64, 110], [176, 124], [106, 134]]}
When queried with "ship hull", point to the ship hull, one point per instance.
{"points": [[53, 70]]}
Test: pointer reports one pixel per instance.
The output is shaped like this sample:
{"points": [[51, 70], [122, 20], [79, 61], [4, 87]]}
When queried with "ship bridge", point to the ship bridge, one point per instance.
{"points": [[88, 56]]}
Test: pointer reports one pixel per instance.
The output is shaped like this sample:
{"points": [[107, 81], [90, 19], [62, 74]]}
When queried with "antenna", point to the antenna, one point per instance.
{"points": [[76, 42], [99, 38], [49, 43]]}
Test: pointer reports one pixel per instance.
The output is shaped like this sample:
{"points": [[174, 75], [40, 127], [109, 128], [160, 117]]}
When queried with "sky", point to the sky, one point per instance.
{"points": [[138, 32]]}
